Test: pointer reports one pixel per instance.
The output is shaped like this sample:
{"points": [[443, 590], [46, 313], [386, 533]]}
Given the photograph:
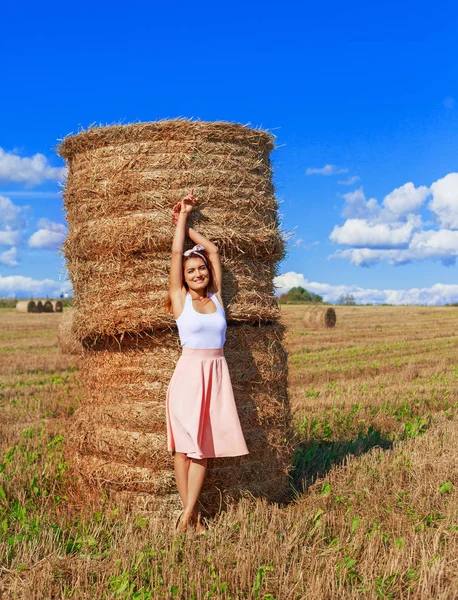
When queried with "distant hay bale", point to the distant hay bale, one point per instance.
{"points": [[66, 340], [26, 306], [57, 305], [319, 317], [48, 306], [40, 307], [122, 184]]}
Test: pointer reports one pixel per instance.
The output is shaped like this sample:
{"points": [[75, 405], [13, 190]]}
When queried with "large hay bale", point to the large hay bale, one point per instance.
{"points": [[120, 431], [123, 182], [129, 294], [40, 306], [66, 340], [26, 306], [57, 306], [318, 317]]}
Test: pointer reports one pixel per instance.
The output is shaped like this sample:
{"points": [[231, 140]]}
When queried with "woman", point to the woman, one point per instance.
{"points": [[202, 419]]}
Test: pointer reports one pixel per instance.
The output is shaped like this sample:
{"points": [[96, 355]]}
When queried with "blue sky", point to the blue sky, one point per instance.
{"points": [[363, 99]]}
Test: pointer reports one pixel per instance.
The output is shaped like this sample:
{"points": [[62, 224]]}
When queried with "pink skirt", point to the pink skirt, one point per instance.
{"points": [[202, 418]]}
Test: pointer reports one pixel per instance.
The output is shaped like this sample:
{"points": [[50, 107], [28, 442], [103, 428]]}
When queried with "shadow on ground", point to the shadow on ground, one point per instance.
{"points": [[314, 458]]}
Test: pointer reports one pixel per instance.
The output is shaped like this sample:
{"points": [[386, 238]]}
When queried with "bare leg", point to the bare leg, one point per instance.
{"points": [[196, 476], [181, 465]]}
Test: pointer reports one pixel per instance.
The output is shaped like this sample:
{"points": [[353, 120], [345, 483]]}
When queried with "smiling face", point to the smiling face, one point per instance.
{"points": [[196, 273]]}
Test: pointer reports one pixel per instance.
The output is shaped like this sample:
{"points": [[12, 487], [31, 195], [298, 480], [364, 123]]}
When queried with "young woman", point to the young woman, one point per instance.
{"points": [[202, 418]]}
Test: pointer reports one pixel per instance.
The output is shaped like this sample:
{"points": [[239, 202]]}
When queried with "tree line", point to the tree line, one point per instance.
{"points": [[299, 295]]}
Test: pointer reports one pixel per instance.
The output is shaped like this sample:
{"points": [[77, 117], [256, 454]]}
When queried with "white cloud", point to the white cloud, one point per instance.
{"points": [[350, 181], [435, 295], [12, 220], [439, 245], [19, 286], [445, 200], [10, 214], [51, 225], [326, 170], [301, 243], [9, 237], [405, 199], [449, 102], [360, 233], [356, 205], [9, 258], [31, 171], [50, 235], [393, 231]]}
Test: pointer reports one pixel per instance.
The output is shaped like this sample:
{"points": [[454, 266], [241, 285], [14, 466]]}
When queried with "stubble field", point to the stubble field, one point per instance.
{"points": [[374, 501]]}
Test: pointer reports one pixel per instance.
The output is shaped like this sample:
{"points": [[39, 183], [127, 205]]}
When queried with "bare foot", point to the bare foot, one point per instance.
{"points": [[195, 519], [183, 521]]}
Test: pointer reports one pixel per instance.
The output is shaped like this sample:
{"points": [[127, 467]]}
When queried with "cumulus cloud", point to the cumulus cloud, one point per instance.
{"points": [[10, 214], [12, 220], [28, 170], [394, 231], [9, 258], [356, 205], [9, 237], [19, 286], [436, 295], [326, 170], [50, 235], [405, 199], [360, 233], [445, 200], [350, 180], [439, 245]]}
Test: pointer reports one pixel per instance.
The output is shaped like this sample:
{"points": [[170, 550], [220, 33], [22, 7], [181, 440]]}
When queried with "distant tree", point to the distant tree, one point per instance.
{"points": [[299, 295], [347, 300]]}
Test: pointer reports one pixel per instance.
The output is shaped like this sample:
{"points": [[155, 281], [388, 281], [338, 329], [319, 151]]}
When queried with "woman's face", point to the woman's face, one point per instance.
{"points": [[196, 274]]}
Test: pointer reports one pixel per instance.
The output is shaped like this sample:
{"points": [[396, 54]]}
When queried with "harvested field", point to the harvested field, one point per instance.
{"points": [[373, 515]]}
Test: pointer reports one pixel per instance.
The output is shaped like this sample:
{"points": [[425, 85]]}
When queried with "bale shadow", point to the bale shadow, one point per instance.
{"points": [[314, 459]]}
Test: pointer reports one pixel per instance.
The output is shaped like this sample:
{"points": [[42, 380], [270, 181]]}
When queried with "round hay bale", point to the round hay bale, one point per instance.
{"points": [[40, 306], [66, 340], [48, 306], [26, 306], [130, 295], [122, 184], [319, 317], [57, 305], [121, 427]]}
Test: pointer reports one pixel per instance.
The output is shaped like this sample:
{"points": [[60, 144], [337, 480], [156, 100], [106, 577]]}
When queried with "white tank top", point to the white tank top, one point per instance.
{"points": [[197, 330]]}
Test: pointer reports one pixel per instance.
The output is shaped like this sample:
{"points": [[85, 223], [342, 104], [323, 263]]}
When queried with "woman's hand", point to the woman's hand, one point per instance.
{"points": [[185, 206]]}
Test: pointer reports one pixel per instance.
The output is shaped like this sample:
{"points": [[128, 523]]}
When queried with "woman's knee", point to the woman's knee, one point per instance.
{"points": [[182, 456]]}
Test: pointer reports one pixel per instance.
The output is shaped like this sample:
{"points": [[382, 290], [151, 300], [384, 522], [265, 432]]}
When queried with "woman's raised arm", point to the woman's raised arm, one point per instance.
{"points": [[176, 265]]}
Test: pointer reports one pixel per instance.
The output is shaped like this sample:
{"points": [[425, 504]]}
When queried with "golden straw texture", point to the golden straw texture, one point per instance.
{"points": [[123, 182]]}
